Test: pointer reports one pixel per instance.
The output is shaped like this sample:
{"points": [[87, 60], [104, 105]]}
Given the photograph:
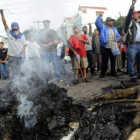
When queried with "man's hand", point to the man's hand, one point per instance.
{"points": [[1, 11], [101, 13], [133, 3]]}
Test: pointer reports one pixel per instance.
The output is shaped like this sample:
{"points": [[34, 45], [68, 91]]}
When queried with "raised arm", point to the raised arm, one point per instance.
{"points": [[3, 19], [129, 16], [90, 30], [99, 20]]}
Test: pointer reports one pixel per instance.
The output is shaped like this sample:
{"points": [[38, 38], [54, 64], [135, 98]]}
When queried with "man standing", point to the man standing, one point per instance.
{"points": [[133, 41], [77, 43], [4, 65], [96, 50], [16, 44], [61, 54], [108, 35], [89, 49], [47, 39]]}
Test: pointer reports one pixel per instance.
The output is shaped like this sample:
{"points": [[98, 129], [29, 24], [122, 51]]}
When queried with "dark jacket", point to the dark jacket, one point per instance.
{"points": [[104, 31], [130, 39], [63, 51]]}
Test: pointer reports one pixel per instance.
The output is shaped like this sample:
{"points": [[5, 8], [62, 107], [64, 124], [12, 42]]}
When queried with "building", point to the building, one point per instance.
{"points": [[85, 15]]}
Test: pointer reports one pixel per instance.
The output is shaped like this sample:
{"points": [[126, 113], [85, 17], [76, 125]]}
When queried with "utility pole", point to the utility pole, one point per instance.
{"points": [[38, 23]]}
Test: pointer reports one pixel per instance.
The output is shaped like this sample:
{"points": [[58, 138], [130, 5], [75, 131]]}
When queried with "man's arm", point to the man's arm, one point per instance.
{"points": [[90, 30], [3, 19], [129, 16], [99, 20], [6, 58], [83, 40], [118, 36]]}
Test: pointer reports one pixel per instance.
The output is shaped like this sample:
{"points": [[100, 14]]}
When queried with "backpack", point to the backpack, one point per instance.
{"points": [[128, 32]]}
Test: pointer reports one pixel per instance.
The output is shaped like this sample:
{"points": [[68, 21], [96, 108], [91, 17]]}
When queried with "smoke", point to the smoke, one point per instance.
{"points": [[28, 84]]}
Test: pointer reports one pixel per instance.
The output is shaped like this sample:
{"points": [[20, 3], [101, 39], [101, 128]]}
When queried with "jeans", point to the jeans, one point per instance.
{"points": [[49, 57], [62, 68], [106, 54], [4, 70], [133, 52], [90, 61], [15, 63]]}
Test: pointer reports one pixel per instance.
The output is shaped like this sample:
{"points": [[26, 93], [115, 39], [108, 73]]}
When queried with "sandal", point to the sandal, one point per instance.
{"points": [[85, 80], [76, 81]]}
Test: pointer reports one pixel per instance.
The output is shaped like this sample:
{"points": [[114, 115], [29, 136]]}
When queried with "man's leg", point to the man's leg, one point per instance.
{"points": [[90, 61], [104, 64], [131, 52], [55, 64], [13, 64], [7, 69], [113, 63], [76, 67], [138, 62], [3, 70], [98, 62]]}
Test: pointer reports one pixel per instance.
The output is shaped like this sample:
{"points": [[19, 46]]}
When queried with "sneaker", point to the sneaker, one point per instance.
{"points": [[102, 75], [76, 81], [134, 80], [85, 80]]}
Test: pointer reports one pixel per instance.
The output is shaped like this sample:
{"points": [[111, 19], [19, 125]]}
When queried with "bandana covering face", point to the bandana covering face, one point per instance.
{"points": [[15, 32]]}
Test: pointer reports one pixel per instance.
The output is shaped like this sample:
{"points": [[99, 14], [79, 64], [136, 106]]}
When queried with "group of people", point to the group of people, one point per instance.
{"points": [[86, 50], [44, 45], [110, 44]]}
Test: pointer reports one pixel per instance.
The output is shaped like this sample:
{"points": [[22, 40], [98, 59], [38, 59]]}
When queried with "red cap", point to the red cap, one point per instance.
{"points": [[136, 12]]}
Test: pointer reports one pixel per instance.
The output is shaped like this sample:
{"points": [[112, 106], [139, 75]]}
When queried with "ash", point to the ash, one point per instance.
{"points": [[47, 111]]}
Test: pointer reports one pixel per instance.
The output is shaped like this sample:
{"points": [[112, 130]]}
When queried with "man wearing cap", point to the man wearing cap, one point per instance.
{"points": [[133, 41], [16, 44], [108, 35], [47, 39]]}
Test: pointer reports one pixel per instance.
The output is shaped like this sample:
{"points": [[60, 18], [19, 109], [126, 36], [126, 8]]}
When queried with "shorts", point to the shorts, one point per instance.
{"points": [[83, 63]]}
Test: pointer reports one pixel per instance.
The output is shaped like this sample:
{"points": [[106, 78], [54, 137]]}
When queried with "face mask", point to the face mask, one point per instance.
{"points": [[15, 31]]}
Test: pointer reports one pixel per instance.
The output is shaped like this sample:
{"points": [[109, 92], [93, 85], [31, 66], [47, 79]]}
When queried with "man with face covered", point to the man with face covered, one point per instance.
{"points": [[16, 44], [47, 39], [108, 35], [133, 41]]}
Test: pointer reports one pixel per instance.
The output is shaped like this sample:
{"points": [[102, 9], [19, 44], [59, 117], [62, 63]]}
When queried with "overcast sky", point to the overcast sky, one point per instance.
{"points": [[26, 11]]}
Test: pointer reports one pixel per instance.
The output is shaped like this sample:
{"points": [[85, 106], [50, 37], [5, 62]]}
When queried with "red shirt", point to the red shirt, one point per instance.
{"points": [[78, 46], [122, 47]]}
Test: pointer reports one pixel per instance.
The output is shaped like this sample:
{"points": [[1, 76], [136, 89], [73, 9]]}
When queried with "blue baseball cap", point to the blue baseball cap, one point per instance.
{"points": [[14, 24]]}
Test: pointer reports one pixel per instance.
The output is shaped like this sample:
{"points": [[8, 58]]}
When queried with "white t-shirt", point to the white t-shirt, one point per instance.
{"points": [[59, 49], [15, 46], [89, 47], [33, 50]]}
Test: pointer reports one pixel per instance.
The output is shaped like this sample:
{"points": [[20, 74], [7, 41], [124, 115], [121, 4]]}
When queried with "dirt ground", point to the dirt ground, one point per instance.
{"points": [[95, 86], [83, 90]]}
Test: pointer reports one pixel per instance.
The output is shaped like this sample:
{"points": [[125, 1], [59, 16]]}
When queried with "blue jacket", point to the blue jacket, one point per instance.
{"points": [[104, 31]]}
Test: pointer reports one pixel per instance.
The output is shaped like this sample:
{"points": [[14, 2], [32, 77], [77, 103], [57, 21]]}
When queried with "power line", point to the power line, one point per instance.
{"points": [[52, 8], [38, 23]]}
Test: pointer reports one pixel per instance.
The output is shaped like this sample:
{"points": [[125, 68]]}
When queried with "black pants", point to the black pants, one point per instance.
{"points": [[106, 54], [123, 59], [90, 61]]}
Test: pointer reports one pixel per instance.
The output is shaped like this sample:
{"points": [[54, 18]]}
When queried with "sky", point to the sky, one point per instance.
{"points": [[25, 12]]}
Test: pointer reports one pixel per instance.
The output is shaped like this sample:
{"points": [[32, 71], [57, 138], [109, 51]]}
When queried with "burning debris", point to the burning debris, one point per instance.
{"points": [[49, 114]]}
